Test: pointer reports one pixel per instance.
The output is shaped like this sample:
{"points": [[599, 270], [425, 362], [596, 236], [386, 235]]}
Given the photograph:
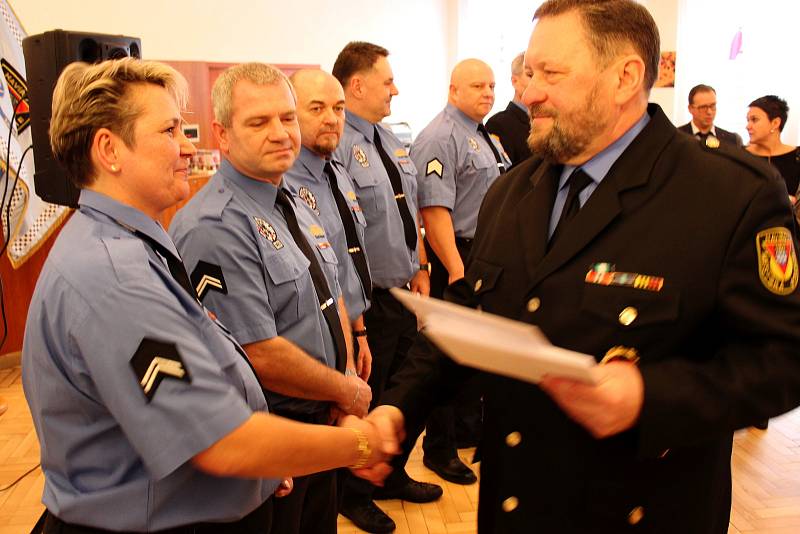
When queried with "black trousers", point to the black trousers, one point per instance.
{"points": [[391, 330], [259, 521], [312, 507], [460, 419]]}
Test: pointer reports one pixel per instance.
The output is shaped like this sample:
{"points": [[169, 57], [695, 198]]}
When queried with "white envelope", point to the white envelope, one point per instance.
{"points": [[495, 344]]}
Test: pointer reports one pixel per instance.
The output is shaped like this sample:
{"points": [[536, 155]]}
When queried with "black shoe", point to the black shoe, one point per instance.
{"points": [[367, 516], [411, 491], [762, 425], [452, 470]]}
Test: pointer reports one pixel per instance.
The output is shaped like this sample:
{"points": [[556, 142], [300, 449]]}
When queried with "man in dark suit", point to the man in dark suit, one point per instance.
{"points": [[703, 107], [692, 317], [512, 125]]}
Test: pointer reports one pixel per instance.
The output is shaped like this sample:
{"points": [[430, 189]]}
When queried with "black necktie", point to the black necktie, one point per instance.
{"points": [[327, 303], [577, 181], [500, 165], [409, 228], [353, 244], [176, 267], [702, 136], [178, 271]]}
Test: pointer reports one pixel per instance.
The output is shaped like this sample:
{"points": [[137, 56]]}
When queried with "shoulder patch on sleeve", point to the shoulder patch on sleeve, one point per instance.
{"points": [[208, 277], [154, 361], [434, 166], [777, 260]]}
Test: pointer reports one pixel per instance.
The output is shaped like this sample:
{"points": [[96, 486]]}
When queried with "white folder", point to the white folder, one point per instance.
{"points": [[495, 344]]}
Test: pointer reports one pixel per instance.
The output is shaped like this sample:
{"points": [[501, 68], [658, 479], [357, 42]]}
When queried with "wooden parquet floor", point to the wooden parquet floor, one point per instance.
{"points": [[766, 479]]}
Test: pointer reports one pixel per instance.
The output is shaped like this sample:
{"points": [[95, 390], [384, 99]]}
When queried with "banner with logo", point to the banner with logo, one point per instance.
{"points": [[27, 220]]}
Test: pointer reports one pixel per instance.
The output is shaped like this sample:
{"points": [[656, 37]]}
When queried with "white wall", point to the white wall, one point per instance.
{"points": [[766, 65], [665, 13], [417, 33]]}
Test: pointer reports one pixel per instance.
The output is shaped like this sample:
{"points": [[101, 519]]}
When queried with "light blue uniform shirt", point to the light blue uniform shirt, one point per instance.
{"points": [[308, 180], [391, 263], [111, 458], [597, 168], [456, 167], [234, 223]]}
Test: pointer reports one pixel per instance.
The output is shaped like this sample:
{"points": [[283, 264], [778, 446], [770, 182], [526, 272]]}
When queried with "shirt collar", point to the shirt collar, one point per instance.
{"points": [[263, 193], [459, 116], [126, 216], [366, 128], [696, 130], [314, 164], [601, 163], [521, 106]]}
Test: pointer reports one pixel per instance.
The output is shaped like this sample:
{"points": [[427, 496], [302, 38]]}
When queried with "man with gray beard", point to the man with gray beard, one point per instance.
{"points": [[692, 319]]}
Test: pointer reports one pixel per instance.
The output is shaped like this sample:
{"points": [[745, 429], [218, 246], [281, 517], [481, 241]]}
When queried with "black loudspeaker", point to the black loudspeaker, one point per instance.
{"points": [[46, 55]]}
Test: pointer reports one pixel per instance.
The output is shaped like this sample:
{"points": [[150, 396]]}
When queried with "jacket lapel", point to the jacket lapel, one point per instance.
{"points": [[519, 114], [533, 214], [632, 170]]}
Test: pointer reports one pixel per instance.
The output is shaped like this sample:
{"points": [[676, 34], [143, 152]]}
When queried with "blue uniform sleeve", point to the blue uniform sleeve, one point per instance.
{"points": [[244, 306], [159, 369], [436, 160]]}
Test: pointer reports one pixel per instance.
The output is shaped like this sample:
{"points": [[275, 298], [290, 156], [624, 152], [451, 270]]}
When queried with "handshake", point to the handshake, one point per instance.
{"points": [[384, 432]]}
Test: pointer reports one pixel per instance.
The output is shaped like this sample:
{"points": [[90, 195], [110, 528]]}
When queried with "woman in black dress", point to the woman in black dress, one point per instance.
{"points": [[765, 121]]}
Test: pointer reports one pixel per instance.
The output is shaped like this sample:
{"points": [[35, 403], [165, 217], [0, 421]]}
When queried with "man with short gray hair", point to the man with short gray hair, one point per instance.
{"points": [[261, 261], [512, 125]]}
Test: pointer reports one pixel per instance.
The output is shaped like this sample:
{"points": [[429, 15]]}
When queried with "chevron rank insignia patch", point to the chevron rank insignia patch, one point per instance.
{"points": [[434, 166], [153, 362], [208, 277], [777, 260]]}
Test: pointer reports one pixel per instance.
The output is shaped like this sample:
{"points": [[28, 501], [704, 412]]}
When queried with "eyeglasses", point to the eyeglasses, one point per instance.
{"points": [[706, 107]]}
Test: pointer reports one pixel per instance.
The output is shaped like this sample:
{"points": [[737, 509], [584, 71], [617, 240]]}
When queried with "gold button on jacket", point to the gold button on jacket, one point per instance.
{"points": [[636, 515], [513, 439], [628, 315], [510, 504]]}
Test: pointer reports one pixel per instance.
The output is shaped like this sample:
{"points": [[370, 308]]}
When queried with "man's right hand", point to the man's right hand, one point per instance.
{"points": [[356, 397]]}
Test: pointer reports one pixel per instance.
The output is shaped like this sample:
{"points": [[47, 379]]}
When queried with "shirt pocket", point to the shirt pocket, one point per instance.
{"points": [[482, 166], [287, 283], [367, 188], [234, 364], [407, 166]]}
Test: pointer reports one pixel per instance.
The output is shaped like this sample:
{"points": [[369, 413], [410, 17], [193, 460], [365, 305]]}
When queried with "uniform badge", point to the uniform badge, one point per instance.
{"points": [[401, 153], [473, 144], [352, 196], [308, 197], [777, 260], [316, 230], [712, 142], [360, 155], [266, 230], [208, 277], [323, 245], [434, 166], [155, 361]]}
